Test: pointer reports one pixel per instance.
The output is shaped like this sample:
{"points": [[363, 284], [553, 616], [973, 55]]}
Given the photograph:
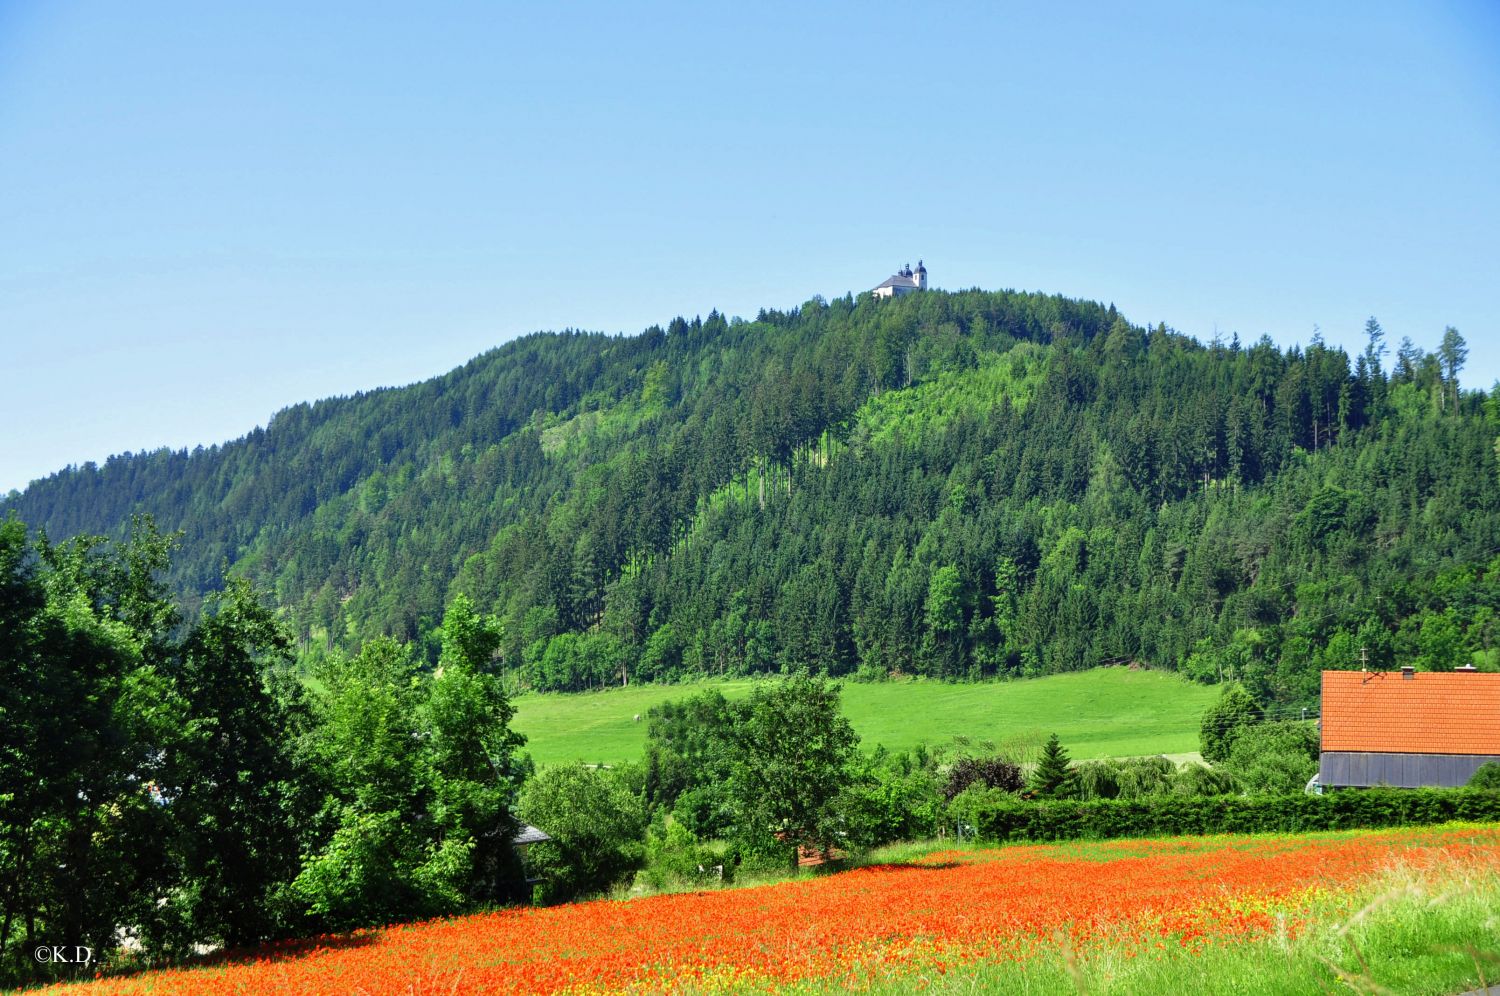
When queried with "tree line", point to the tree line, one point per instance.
{"points": [[966, 485]]}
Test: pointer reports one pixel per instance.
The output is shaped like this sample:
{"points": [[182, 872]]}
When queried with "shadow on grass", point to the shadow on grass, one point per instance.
{"points": [[834, 868], [270, 952], [288, 950]]}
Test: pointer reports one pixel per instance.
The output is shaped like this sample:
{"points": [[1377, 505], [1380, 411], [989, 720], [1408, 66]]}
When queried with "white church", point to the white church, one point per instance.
{"points": [[905, 281]]}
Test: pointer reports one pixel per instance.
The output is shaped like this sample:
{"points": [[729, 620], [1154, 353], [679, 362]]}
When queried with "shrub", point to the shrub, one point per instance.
{"points": [[1098, 780], [1274, 757], [999, 817], [1487, 777], [1223, 721], [1198, 780], [706, 810], [892, 797], [597, 827], [1143, 776], [675, 857], [990, 772]]}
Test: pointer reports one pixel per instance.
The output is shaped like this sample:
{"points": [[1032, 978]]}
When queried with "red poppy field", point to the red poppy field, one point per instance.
{"points": [[939, 913]]}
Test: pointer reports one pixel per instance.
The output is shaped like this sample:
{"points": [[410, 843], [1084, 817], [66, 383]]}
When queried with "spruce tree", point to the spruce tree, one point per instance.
{"points": [[1054, 777]]}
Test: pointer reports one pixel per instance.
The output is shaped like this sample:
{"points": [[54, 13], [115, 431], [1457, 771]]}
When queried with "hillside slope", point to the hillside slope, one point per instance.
{"points": [[1105, 712], [954, 484]]}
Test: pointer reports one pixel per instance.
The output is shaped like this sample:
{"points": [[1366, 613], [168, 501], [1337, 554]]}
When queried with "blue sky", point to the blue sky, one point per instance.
{"points": [[209, 212]]}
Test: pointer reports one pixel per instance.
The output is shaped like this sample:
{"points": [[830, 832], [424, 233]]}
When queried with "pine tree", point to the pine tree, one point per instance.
{"points": [[1054, 777], [1452, 354]]}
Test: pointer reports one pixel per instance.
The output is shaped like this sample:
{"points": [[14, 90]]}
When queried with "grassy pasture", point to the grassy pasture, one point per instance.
{"points": [[1107, 712]]}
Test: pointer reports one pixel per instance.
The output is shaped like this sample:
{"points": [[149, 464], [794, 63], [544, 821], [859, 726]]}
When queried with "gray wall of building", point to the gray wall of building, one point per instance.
{"points": [[1399, 770]]}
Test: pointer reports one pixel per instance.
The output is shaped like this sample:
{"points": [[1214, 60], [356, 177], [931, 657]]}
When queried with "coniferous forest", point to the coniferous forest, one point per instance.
{"points": [[961, 485]]}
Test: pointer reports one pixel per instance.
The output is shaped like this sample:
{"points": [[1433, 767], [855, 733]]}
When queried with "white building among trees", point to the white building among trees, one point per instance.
{"points": [[904, 281]]}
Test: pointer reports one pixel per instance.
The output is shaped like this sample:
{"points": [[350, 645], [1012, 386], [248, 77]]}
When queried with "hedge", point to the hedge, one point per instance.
{"points": [[999, 817]]}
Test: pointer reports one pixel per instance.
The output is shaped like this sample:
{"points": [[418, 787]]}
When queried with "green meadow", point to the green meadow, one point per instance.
{"points": [[1107, 712]]}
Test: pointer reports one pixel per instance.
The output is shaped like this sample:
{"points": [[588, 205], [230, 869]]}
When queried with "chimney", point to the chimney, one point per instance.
{"points": [[1407, 672]]}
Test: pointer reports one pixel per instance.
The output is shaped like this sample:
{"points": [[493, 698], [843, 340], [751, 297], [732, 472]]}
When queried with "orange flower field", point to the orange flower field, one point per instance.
{"points": [[942, 911]]}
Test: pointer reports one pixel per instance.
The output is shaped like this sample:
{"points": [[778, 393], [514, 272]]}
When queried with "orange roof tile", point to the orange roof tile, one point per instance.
{"points": [[1428, 713]]}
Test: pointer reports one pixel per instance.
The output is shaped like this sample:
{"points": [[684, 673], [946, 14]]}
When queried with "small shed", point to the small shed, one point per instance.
{"points": [[1408, 729], [523, 840], [528, 835]]}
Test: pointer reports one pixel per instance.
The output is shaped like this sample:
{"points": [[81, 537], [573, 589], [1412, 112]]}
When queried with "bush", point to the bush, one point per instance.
{"points": [[674, 857], [1197, 780], [1127, 778], [1274, 758], [1223, 721], [706, 810], [1098, 780], [1487, 777], [892, 797], [990, 772], [999, 817], [597, 827]]}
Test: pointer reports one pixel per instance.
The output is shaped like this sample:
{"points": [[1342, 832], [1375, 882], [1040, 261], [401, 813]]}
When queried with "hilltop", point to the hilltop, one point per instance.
{"points": [[947, 484]]}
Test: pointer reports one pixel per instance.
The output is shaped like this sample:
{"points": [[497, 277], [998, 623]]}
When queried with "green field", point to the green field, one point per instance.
{"points": [[1108, 712]]}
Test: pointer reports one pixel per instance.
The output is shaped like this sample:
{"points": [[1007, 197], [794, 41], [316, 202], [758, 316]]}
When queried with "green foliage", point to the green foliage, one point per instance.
{"points": [[1274, 758], [1001, 817], [676, 858], [1143, 777], [956, 485], [238, 810], [470, 754], [597, 825], [1224, 720], [196, 793], [421, 770], [690, 751], [1486, 777], [1199, 780], [777, 769], [892, 797], [987, 772], [372, 865], [792, 762], [1054, 777], [89, 715]]}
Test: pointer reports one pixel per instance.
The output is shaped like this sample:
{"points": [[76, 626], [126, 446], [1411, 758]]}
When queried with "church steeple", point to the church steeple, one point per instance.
{"points": [[905, 281]]}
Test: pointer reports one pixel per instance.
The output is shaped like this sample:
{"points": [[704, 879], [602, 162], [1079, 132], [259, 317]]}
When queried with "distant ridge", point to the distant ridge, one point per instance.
{"points": [[963, 484]]}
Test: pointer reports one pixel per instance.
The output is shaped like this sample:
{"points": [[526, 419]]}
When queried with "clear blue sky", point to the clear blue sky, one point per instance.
{"points": [[209, 212]]}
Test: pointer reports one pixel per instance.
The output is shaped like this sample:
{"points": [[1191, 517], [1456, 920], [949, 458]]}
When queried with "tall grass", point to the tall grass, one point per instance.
{"points": [[1412, 930]]}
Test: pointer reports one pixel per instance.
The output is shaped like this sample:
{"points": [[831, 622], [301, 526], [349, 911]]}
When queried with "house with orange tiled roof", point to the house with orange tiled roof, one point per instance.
{"points": [[1408, 729]]}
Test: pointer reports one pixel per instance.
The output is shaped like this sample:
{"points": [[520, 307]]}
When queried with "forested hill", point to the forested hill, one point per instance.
{"points": [[957, 484]]}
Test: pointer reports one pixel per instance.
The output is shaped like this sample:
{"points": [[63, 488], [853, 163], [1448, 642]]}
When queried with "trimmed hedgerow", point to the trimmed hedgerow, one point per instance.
{"points": [[1001, 818]]}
